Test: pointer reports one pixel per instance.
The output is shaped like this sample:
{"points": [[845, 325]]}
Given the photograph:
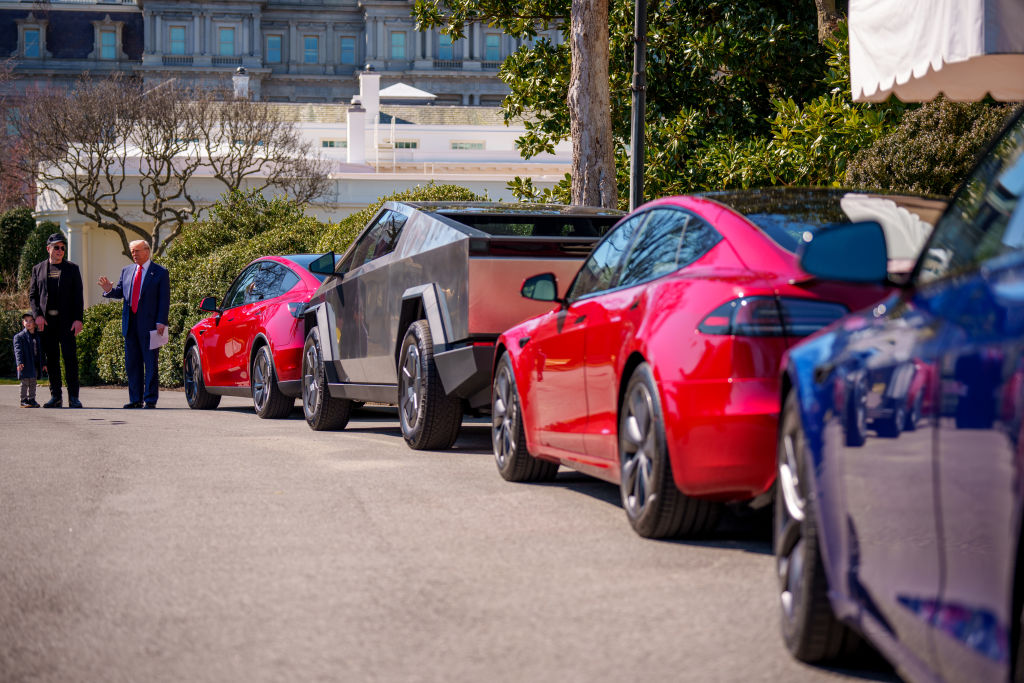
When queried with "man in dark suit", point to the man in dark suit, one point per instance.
{"points": [[57, 302], [146, 290]]}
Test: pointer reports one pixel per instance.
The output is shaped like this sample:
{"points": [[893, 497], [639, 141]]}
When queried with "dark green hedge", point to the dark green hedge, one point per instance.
{"points": [[15, 227], [931, 150], [34, 250]]}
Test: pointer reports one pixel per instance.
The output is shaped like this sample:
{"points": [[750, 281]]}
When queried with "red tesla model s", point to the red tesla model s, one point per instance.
{"points": [[658, 367], [252, 346]]}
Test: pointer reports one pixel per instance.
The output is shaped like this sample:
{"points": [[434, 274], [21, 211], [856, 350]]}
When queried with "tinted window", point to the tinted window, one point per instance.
{"points": [[237, 291], [539, 226], [671, 239], [273, 280], [601, 268], [983, 221], [379, 240]]}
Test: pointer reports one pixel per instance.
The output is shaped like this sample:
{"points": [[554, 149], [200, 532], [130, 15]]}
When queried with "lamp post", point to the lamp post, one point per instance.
{"points": [[639, 105]]}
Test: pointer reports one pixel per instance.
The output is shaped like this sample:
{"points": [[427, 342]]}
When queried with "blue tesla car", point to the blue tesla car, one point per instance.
{"points": [[900, 487]]}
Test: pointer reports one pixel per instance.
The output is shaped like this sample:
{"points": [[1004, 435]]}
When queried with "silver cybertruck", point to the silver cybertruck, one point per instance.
{"points": [[409, 315]]}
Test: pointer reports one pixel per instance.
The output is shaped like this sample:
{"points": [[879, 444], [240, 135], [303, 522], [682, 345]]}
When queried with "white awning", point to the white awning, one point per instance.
{"points": [[401, 91], [917, 49]]}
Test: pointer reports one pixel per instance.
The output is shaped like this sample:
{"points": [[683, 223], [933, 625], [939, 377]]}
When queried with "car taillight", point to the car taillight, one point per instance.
{"points": [[769, 316]]}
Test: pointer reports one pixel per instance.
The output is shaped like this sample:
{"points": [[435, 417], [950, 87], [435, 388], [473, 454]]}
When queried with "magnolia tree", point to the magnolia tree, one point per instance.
{"points": [[129, 158]]}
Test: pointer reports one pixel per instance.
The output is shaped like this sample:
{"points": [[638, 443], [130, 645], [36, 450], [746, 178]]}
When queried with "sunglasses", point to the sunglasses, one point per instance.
{"points": [[57, 247]]}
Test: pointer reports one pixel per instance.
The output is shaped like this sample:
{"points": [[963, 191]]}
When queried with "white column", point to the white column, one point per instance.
{"points": [[208, 36], [197, 40], [383, 46], [246, 30], [293, 40], [356, 135], [257, 36], [428, 44], [76, 249], [158, 34]]}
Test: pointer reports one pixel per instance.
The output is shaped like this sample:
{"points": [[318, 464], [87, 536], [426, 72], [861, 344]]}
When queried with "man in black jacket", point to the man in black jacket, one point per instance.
{"points": [[55, 295]]}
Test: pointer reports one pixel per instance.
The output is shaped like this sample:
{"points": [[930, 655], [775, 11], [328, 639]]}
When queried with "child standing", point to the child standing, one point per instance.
{"points": [[28, 357]]}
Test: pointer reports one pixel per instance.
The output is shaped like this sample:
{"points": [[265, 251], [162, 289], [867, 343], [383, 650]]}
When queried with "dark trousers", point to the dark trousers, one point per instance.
{"points": [[141, 364], [58, 340]]}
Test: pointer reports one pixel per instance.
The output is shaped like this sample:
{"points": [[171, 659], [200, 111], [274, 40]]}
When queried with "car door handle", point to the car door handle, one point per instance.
{"points": [[523, 341], [579, 320], [636, 302]]}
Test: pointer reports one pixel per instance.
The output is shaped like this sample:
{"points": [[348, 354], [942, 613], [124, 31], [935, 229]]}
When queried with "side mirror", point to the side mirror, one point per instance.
{"points": [[543, 287], [324, 265], [850, 252], [209, 304]]}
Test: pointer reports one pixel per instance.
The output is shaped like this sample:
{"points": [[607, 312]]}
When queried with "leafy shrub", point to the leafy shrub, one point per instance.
{"points": [[34, 250], [931, 150], [15, 227], [110, 353], [95, 322], [10, 325]]}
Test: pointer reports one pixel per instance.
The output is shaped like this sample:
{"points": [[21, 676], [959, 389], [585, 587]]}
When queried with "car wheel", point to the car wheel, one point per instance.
{"points": [[914, 416], [654, 506], [322, 411], [809, 627], [855, 421], [269, 401], [893, 426], [430, 418], [508, 435], [196, 395]]}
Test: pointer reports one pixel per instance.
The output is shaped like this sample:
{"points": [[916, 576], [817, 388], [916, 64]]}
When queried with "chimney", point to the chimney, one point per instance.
{"points": [[369, 93], [356, 135]]}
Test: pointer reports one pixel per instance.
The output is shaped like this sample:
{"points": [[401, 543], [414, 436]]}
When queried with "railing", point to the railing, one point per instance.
{"points": [[177, 60], [490, 66], [455, 64], [226, 61]]}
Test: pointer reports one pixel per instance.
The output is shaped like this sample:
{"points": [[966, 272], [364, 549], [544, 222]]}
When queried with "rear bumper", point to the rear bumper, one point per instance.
{"points": [[721, 437], [466, 372]]}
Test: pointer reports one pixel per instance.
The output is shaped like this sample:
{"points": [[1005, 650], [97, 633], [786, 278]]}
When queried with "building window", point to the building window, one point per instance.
{"points": [[32, 42], [467, 145], [445, 50], [310, 50], [492, 47], [274, 49], [398, 45], [177, 40], [334, 144], [348, 50], [108, 45], [406, 144], [226, 42]]}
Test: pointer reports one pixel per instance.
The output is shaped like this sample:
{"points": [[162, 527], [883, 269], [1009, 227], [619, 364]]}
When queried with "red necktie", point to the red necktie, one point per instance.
{"points": [[136, 286]]}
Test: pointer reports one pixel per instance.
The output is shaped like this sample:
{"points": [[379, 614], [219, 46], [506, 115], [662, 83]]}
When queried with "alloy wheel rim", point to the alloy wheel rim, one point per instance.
{"points": [[789, 533], [638, 445], [310, 382], [504, 413], [409, 391], [191, 380], [259, 381]]}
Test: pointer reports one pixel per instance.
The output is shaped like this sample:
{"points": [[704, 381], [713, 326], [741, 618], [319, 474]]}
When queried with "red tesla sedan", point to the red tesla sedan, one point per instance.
{"points": [[252, 345], [658, 367]]}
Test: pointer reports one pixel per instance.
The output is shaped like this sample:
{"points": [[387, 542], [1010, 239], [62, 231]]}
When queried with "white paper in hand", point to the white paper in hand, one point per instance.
{"points": [[156, 340]]}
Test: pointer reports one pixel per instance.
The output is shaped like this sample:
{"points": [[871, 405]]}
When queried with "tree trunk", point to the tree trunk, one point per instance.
{"points": [[828, 18], [590, 112]]}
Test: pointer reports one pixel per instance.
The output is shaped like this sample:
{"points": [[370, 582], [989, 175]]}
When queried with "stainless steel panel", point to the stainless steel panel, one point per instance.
{"points": [[495, 303]]}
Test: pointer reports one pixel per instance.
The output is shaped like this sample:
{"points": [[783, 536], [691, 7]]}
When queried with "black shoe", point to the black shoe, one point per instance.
{"points": [[133, 404], [73, 402], [31, 404], [55, 402], [151, 405], [26, 404]]}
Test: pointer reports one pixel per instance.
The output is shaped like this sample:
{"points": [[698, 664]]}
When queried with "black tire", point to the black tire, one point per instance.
{"points": [[914, 415], [809, 626], [430, 418], [321, 410], [654, 506], [892, 427], [508, 435], [855, 418], [196, 395], [270, 403]]}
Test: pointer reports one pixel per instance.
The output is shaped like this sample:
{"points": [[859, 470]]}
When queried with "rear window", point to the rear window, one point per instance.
{"points": [[539, 226]]}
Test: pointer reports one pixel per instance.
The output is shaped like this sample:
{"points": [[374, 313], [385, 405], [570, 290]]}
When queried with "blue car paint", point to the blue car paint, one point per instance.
{"points": [[959, 474]]}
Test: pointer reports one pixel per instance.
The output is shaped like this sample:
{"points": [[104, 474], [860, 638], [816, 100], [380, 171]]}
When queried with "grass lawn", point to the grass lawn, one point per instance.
{"points": [[15, 380]]}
